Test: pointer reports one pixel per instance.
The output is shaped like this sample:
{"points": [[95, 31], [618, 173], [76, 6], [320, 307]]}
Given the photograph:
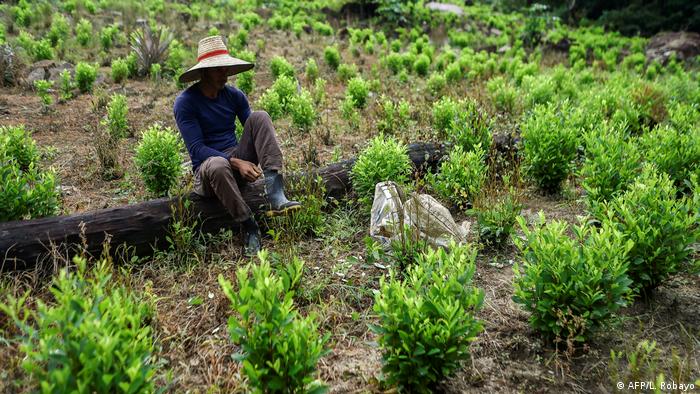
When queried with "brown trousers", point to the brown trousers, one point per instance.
{"points": [[216, 177]]}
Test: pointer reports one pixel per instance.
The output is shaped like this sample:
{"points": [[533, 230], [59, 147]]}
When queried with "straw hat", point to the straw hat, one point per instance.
{"points": [[213, 53]]}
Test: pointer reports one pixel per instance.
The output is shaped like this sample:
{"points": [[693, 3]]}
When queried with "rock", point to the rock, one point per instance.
{"points": [[444, 7], [36, 74], [504, 49], [55, 72], [685, 45]]}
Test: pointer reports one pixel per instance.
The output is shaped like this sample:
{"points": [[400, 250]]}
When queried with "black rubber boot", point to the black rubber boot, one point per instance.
{"points": [[251, 237], [277, 203]]}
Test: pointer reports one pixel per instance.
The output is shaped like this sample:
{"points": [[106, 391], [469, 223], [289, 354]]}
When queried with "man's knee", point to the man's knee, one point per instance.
{"points": [[259, 118], [215, 166]]}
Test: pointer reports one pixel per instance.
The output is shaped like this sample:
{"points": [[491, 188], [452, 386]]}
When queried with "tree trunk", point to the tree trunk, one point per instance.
{"points": [[143, 226]]}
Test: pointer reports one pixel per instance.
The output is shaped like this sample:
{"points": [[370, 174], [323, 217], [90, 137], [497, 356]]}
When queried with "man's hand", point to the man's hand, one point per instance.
{"points": [[249, 171]]}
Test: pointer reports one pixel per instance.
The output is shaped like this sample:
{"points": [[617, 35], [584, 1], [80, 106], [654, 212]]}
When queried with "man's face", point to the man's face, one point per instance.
{"points": [[216, 76]]}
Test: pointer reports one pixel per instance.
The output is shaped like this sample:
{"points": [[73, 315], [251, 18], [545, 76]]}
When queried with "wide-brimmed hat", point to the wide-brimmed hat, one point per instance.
{"points": [[213, 53]]}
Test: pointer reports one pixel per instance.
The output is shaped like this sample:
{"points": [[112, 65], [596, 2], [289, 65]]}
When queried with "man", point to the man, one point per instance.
{"points": [[205, 114]]}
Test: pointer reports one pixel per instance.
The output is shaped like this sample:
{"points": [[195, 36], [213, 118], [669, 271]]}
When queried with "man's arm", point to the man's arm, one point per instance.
{"points": [[242, 107], [192, 134]]}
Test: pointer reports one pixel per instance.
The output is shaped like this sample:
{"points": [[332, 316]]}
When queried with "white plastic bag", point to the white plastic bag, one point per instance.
{"points": [[431, 221]]}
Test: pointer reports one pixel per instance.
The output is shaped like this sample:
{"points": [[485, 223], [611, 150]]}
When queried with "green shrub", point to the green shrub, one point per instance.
{"points": [[674, 152], [155, 72], [570, 286], [246, 81], [178, 57], [611, 163], [358, 92], [549, 147], [311, 70], [279, 349], [16, 143], [461, 176], [108, 36], [661, 227], [120, 70], [319, 91], [385, 159], [271, 103], [59, 29], [421, 64], [427, 320], [65, 85], [158, 159], [347, 71], [332, 57], [116, 121], [311, 219], [496, 218], [436, 83], [453, 73], [133, 62], [43, 50], [280, 66], [322, 28], [94, 337], [394, 118], [394, 62], [42, 87], [85, 76], [503, 94], [27, 193], [461, 123], [303, 111]]}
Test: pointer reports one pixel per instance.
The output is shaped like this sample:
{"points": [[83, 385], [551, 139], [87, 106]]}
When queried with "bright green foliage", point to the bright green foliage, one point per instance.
{"points": [[65, 85], [133, 62], [158, 159], [395, 117], [17, 144], [357, 92], [277, 98], [571, 286], [42, 87], [116, 121], [246, 81], [311, 70], [319, 91], [503, 94], [385, 159], [549, 147], [270, 102], [279, 349], [280, 66], [120, 70], [461, 123], [496, 218], [394, 62], [85, 75], [436, 83], [611, 163], [461, 176], [303, 110], [177, 57], [661, 227], [674, 152], [155, 72], [421, 64], [59, 29], [108, 36], [93, 338], [453, 73], [22, 13], [426, 321], [347, 71], [239, 40], [26, 191], [332, 57], [42, 50]]}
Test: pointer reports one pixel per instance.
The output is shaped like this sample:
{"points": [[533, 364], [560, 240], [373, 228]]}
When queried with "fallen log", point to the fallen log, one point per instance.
{"points": [[143, 226]]}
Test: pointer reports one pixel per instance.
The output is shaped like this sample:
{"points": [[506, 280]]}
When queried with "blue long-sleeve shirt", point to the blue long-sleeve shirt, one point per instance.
{"points": [[208, 126]]}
